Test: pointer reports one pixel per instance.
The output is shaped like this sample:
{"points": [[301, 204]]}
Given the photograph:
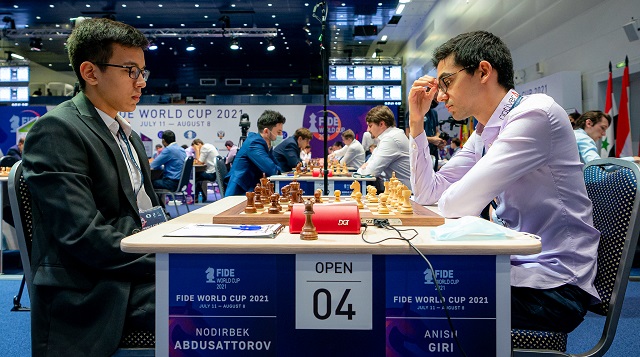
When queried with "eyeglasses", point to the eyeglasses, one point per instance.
{"points": [[134, 71], [444, 82]]}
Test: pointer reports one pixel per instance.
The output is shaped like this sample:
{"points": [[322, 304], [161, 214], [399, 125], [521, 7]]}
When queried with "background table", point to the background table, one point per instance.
{"points": [[310, 184], [336, 296]]}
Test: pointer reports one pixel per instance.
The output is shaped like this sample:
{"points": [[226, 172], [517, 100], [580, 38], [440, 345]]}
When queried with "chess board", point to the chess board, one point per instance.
{"points": [[421, 216]]}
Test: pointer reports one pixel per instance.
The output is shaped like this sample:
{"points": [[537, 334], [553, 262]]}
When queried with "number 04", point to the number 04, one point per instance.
{"points": [[339, 310]]}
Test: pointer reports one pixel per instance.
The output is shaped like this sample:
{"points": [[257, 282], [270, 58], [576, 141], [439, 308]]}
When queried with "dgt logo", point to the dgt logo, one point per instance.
{"points": [[343, 222]]}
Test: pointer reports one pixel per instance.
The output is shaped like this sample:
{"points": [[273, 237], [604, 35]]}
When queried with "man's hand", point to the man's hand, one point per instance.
{"points": [[422, 92], [437, 141]]}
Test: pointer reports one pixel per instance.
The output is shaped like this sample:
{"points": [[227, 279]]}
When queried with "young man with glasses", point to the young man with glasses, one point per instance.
{"points": [[524, 156], [255, 157], [89, 178]]}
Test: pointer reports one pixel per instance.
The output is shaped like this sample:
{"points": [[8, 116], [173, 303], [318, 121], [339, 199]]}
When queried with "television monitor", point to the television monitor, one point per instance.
{"points": [[14, 94], [14, 74]]}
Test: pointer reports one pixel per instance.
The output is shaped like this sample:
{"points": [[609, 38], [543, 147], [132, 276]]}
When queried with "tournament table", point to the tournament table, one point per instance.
{"points": [[335, 296]]}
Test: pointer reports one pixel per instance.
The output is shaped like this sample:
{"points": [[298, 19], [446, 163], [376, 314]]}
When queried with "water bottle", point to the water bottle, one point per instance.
{"points": [[200, 197]]}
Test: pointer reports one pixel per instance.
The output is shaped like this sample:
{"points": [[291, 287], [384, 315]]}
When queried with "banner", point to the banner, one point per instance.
{"points": [[609, 108], [12, 119], [623, 134]]}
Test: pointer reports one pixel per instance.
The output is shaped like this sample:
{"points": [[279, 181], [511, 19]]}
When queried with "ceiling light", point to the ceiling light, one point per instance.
{"points": [[384, 38], [270, 46], [35, 44], [190, 46], [152, 44], [399, 9], [234, 44]]}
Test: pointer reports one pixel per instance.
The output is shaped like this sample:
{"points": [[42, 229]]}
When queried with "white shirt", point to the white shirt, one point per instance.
{"points": [[208, 154], [531, 165], [391, 155], [353, 156], [135, 175]]}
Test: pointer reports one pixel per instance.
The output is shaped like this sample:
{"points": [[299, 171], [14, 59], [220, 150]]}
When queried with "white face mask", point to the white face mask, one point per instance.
{"points": [[278, 140]]}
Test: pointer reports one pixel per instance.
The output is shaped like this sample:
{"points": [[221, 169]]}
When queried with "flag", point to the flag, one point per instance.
{"points": [[623, 134], [609, 138]]}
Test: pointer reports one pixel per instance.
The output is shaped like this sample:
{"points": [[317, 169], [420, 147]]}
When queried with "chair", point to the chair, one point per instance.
{"points": [[182, 185], [136, 343], [612, 186], [20, 200], [8, 161], [221, 172]]}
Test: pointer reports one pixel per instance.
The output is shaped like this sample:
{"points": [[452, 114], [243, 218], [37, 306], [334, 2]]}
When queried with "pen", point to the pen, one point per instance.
{"points": [[248, 228]]}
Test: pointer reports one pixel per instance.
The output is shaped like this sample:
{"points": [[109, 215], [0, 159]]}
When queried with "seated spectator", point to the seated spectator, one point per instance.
{"points": [[392, 153], [171, 161], [305, 154], [233, 150], [589, 127], [159, 148], [573, 117], [352, 154], [287, 153], [16, 150], [206, 154], [255, 157]]}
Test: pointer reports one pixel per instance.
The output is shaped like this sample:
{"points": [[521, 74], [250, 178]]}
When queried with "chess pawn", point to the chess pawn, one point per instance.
{"points": [[337, 194], [250, 207], [258, 198], [308, 230], [359, 200], [374, 195], [383, 209], [406, 204], [318, 196], [274, 204]]}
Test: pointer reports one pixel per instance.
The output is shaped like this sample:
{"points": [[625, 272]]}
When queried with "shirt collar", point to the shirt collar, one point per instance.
{"points": [[503, 109], [386, 131], [115, 123]]}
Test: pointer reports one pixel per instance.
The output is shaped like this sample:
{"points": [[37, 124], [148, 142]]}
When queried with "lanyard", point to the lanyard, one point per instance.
{"points": [[124, 138]]}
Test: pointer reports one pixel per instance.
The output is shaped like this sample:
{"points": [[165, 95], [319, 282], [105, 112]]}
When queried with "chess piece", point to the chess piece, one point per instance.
{"points": [[274, 204], [383, 209], [355, 186], [250, 207], [359, 200], [406, 204], [258, 192], [308, 230], [285, 194], [337, 194], [374, 194], [318, 196]]}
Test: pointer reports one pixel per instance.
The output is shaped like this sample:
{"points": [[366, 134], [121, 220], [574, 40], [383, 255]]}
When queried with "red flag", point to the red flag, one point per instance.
{"points": [[609, 138], [623, 134]]}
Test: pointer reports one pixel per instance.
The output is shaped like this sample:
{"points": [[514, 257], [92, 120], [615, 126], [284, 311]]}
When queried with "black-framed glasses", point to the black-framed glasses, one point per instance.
{"points": [[134, 71], [444, 82]]}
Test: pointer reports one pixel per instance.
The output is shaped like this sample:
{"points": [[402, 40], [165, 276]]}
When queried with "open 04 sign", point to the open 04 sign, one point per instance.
{"points": [[333, 291]]}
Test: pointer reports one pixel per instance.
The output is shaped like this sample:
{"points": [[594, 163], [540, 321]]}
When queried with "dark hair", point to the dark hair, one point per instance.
{"points": [[470, 48], [456, 141], [269, 119], [348, 134], [168, 136], [595, 116], [339, 144], [228, 143], [381, 113], [92, 40], [302, 133], [197, 142]]}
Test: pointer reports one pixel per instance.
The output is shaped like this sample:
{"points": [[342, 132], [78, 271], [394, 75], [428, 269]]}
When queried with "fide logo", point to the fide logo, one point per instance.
{"points": [[444, 277]]}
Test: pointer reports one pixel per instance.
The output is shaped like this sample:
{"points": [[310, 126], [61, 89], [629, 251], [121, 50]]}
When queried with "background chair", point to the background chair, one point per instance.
{"points": [[182, 185], [612, 186], [221, 172], [20, 200]]}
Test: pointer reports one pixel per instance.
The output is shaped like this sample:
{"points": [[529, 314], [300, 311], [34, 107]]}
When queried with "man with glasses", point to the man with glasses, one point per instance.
{"points": [[523, 158], [255, 157], [89, 178]]}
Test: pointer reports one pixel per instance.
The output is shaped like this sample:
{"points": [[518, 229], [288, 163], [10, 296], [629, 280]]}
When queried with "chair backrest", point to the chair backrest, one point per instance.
{"points": [[7, 161], [186, 174], [612, 186], [221, 172], [20, 199]]}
